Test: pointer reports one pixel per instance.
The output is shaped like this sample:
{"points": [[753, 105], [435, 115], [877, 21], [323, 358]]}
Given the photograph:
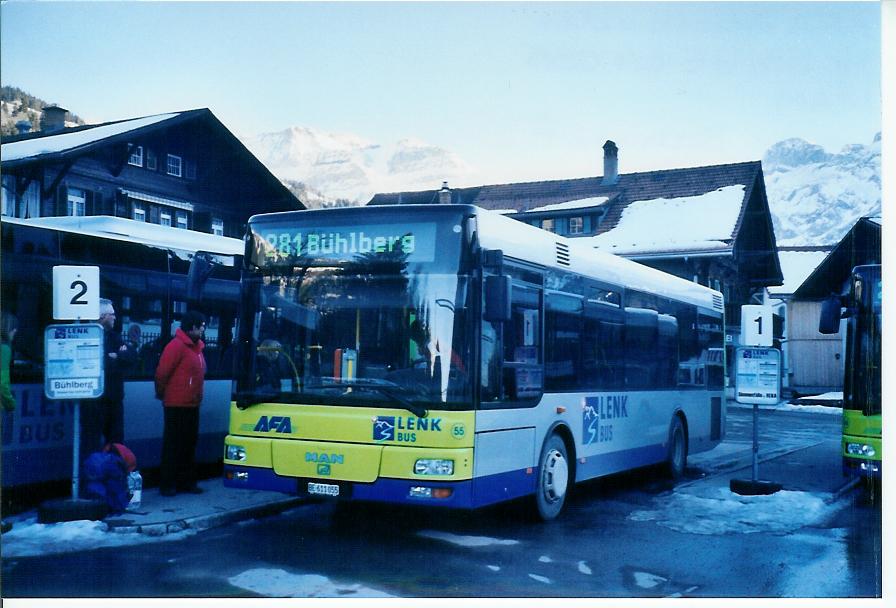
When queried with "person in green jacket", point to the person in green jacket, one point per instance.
{"points": [[8, 327]]}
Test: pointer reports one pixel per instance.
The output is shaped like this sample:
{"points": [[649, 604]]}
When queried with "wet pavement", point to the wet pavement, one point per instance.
{"points": [[808, 464]]}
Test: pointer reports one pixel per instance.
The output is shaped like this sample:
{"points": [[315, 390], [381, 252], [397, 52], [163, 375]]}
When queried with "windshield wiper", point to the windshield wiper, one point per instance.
{"points": [[384, 387]]}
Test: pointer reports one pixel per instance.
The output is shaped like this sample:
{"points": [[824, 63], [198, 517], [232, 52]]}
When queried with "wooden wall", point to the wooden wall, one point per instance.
{"points": [[815, 361]]}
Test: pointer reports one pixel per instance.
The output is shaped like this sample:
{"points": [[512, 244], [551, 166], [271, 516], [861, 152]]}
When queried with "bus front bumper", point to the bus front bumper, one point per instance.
{"points": [[856, 467], [466, 494]]}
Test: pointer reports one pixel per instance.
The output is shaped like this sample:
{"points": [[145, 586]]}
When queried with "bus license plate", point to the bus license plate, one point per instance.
{"points": [[323, 489]]}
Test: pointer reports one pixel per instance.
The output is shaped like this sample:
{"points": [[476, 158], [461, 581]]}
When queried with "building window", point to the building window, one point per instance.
{"points": [[9, 195], [77, 202], [182, 221], [151, 160], [174, 165], [189, 169], [165, 218], [28, 203], [136, 157], [548, 225], [576, 225], [217, 226], [138, 212]]}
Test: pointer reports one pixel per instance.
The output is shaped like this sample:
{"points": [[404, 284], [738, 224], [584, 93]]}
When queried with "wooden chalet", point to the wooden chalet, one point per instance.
{"points": [[815, 360], [181, 169]]}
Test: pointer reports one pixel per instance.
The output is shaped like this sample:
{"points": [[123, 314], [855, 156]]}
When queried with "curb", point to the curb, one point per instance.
{"points": [[205, 522], [843, 490], [727, 468]]}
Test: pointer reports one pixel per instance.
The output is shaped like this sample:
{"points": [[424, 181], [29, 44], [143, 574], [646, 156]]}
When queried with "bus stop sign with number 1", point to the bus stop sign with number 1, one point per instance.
{"points": [[756, 327], [76, 293]]}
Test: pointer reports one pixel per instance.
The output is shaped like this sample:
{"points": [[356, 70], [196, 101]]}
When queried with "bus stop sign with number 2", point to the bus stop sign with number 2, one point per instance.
{"points": [[76, 293]]}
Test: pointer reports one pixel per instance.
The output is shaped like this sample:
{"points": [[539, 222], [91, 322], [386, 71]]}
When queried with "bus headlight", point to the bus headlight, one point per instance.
{"points": [[234, 452], [434, 466], [860, 449]]}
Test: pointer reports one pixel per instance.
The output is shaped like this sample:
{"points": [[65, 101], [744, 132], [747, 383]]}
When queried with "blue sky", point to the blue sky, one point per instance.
{"points": [[519, 90]]}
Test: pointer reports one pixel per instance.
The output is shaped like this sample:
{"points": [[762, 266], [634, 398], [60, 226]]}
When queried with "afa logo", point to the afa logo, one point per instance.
{"points": [[277, 424], [384, 428]]}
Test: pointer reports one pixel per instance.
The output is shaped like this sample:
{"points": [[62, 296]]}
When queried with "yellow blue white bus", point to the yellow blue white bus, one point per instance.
{"points": [[446, 355], [863, 302]]}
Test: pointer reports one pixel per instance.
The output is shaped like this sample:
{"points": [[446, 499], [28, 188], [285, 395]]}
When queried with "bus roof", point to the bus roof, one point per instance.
{"points": [[526, 242], [122, 229]]}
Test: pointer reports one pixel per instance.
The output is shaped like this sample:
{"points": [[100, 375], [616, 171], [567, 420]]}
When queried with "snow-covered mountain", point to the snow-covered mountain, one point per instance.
{"points": [[816, 196], [347, 167]]}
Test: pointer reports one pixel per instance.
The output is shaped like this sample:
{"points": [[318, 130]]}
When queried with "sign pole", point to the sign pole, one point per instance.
{"points": [[755, 442], [74, 371], [76, 449], [758, 380]]}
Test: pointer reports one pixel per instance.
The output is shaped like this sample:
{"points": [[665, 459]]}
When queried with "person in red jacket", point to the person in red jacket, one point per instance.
{"points": [[180, 378]]}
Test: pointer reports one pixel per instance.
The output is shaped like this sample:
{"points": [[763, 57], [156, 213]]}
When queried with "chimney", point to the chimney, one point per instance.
{"points": [[23, 126], [53, 119], [445, 194], [611, 164]]}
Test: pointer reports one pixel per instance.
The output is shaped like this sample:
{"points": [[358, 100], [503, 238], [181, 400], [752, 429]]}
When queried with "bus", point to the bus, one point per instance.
{"points": [[143, 270], [447, 355], [862, 300]]}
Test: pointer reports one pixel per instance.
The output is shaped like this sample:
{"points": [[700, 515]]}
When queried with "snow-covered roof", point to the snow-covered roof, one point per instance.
{"points": [[180, 241], [796, 267], [594, 201], [690, 223], [68, 140]]}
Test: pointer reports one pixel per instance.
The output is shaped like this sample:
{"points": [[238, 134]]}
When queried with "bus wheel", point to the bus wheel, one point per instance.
{"points": [[553, 478], [677, 457]]}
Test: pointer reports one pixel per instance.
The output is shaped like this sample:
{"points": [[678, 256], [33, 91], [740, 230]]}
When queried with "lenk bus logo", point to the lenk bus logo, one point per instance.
{"points": [[596, 413], [392, 428], [277, 424]]}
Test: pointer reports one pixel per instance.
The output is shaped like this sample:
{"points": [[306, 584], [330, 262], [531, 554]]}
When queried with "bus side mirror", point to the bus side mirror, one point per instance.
{"points": [[497, 298], [829, 321], [201, 267]]}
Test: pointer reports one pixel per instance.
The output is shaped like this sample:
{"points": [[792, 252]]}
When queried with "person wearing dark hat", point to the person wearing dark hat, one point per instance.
{"points": [[180, 379]]}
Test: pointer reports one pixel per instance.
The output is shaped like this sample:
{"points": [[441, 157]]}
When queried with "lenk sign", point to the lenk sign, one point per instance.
{"points": [[74, 361]]}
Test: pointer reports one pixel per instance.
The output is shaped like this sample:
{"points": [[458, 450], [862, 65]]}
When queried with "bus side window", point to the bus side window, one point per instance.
{"points": [[511, 351]]}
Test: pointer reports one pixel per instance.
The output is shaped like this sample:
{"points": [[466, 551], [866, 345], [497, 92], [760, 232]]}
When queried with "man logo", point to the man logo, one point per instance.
{"points": [[384, 428]]}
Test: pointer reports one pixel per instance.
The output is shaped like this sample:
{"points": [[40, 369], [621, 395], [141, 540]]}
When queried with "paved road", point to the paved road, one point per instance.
{"points": [[632, 535]]}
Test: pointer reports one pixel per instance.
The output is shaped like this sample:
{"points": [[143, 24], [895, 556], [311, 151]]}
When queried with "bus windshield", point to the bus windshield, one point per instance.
{"points": [[862, 387], [341, 315]]}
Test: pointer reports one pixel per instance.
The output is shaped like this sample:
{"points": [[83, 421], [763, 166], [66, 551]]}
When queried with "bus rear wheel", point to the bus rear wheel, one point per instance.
{"points": [[553, 479], [677, 457]]}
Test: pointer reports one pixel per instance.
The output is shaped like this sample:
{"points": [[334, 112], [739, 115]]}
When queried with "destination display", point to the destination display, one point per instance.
{"points": [[414, 242]]}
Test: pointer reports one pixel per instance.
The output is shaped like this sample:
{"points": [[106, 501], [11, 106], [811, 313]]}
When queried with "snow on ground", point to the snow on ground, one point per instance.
{"points": [[276, 582], [790, 407], [28, 538], [466, 541], [838, 396], [721, 511]]}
